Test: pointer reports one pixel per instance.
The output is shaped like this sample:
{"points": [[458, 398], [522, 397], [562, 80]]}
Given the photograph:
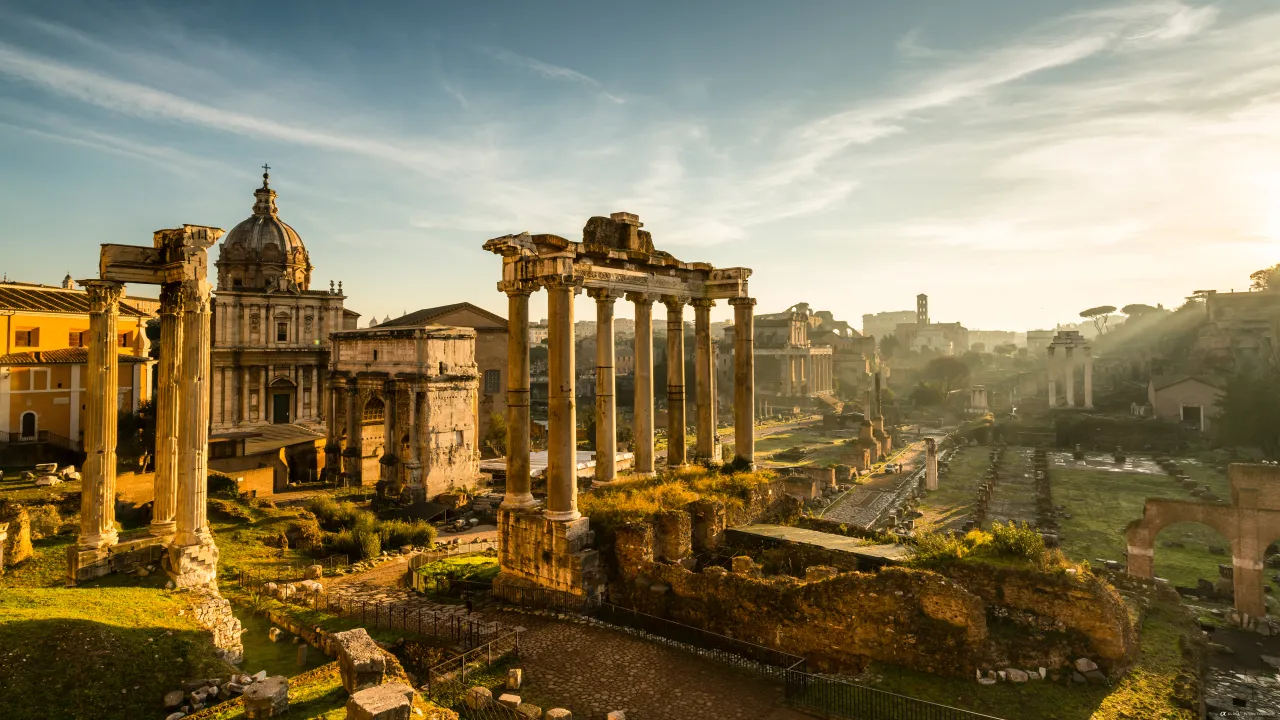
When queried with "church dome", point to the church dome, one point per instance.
{"points": [[263, 252]]}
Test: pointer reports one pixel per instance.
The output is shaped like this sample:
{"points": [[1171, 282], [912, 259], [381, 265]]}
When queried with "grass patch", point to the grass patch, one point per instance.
{"points": [[474, 568], [97, 652], [671, 490], [947, 507]]}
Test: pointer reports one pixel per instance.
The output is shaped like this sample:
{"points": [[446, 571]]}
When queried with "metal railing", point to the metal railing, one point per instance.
{"points": [[533, 598], [836, 698], [465, 631], [41, 436], [447, 681], [291, 572]]}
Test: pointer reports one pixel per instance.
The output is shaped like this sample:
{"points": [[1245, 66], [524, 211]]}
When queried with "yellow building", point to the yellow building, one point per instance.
{"points": [[42, 357]]}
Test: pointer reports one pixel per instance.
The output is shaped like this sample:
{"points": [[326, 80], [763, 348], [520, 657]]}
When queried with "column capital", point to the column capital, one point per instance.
{"points": [[603, 295], [559, 282], [104, 295], [171, 298], [703, 303], [640, 298], [674, 303], [748, 301], [517, 287], [194, 295]]}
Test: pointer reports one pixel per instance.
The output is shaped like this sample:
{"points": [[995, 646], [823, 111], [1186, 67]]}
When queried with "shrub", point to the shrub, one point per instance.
{"points": [[1017, 540], [370, 543], [305, 534], [222, 484], [397, 533], [231, 509]]}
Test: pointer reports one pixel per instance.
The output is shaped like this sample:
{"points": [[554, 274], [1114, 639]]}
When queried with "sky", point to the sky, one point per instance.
{"points": [[1018, 161]]}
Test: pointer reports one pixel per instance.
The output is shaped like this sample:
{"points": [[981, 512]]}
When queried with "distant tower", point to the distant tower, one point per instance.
{"points": [[922, 309], [68, 283]]}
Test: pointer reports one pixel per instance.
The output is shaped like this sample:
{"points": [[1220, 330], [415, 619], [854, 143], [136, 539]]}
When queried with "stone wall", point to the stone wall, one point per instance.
{"points": [[139, 488], [951, 623], [213, 612], [538, 553]]}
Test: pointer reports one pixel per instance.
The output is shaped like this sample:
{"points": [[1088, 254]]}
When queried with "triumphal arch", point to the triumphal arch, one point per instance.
{"points": [[1250, 522], [550, 547], [179, 532]]}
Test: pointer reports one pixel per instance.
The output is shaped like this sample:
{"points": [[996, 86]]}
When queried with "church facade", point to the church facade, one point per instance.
{"points": [[271, 343]]}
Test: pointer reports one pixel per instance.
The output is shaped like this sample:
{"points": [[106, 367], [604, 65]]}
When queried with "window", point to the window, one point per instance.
{"points": [[374, 411], [124, 340], [26, 338], [76, 339], [492, 382], [375, 356], [282, 332]]}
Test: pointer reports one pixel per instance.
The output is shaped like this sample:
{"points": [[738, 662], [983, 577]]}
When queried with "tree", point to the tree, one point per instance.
{"points": [[889, 345], [1134, 310], [978, 347], [1265, 279], [1099, 315], [1006, 349], [947, 372], [496, 438], [1249, 412], [927, 395]]}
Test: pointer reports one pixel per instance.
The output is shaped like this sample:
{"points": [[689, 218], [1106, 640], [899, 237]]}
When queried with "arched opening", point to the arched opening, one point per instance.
{"points": [[371, 432], [1196, 559], [28, 426]]}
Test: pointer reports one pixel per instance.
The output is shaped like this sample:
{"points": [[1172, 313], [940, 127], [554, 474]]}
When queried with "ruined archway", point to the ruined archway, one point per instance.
{"points": [[1195, 558]]}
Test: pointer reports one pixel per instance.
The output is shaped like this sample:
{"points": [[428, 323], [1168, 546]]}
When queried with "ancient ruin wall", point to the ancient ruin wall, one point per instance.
{"points": [[213, 612]]}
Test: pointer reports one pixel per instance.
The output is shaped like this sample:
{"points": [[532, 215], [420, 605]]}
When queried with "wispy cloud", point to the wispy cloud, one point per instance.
{"points": [[551, 72]]}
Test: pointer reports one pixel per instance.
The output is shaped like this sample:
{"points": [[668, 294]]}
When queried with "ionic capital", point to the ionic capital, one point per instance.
{"points": [[604, 295], [748, 301], [104, 295], [561, 282], [703, 303], [674, 303], [640, 298], [516, 288]]}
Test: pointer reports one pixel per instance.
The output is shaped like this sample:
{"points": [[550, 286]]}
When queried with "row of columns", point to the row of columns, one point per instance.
{"points": [[232, 398], [806, 374], [182, 416], [1063, 369], [562, 431]]}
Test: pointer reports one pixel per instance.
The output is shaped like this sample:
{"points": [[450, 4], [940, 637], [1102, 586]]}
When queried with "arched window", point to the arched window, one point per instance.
{"points": [[28, 426], [374, 411]]}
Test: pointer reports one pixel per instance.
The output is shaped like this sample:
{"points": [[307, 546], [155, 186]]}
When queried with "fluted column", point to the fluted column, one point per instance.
{"points": [[744, 379], [98, 492], [353, 454], [193, 420], [333, 426], [1069, 375], [606, 403], [388, 464], [1088, 378], [562, 466], [705, 376], [244, 395], [675, 381], [643, 383], [168, 400], [519, 486]]}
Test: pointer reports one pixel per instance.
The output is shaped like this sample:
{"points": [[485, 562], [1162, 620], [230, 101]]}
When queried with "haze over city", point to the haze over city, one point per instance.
{"points": [[853, 154]]}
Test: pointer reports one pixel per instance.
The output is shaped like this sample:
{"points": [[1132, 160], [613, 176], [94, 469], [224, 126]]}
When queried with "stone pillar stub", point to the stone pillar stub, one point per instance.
{"points": [[168, 401], [606, 402], [519, 485], [98, 494], [1069, 375], [562, 465], [643, 430], [675, 381], [705, 375], [744, 380], [930, 464]]}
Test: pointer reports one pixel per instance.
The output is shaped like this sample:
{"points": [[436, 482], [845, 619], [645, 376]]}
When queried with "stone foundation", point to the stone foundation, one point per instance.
{"points": [[535, 552], [213, 612], [87, 564], [193, 566]]}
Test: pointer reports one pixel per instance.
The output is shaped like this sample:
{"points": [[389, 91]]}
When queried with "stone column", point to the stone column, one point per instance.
{"points": [[705, 374], [1088, 378], [389, 463], [744, 380], [675, 381], [353, 455], [193, 558], [244, 395], [1051, 372], [102, 380], [168, 399], [519, 494], [1069, 375], [333, 426], [930, 464], [412, 459], [809, 384], [1247, 550], [562, 465], [643, 383], [264, 395], [606, 403]]}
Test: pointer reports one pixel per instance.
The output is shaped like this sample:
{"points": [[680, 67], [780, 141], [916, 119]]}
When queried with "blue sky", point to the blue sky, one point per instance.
{"points": [[1018, 161]]}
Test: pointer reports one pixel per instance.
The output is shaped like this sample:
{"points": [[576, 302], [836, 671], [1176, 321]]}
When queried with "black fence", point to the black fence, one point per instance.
{"points": [[447, 682], [736, 653], [531, 598], [835, 698], [255, 578], [469, 632]]}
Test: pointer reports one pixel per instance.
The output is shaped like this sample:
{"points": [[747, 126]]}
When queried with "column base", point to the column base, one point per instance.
{"points": [[523, 501], [98, 542], [193, 565], [563, 515], [162, 529], [536, 553]]}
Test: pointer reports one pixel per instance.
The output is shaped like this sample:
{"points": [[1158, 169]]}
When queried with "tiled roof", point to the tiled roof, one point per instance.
{"points": [[61, 356], [42, 298], [426, 315]]}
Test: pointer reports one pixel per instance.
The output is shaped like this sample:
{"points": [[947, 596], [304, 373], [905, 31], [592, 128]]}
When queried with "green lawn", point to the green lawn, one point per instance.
{"points": [[947, 507], [97, 652], [1102, 502]]}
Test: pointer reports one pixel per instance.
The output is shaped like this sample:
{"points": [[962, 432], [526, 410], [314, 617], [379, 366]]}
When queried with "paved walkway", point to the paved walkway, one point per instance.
{"points": [[864, 505], [592, 670]]}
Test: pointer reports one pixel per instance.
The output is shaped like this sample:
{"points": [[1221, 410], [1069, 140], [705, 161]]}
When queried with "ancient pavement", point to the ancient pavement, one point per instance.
{"points": [[866, 503]]}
